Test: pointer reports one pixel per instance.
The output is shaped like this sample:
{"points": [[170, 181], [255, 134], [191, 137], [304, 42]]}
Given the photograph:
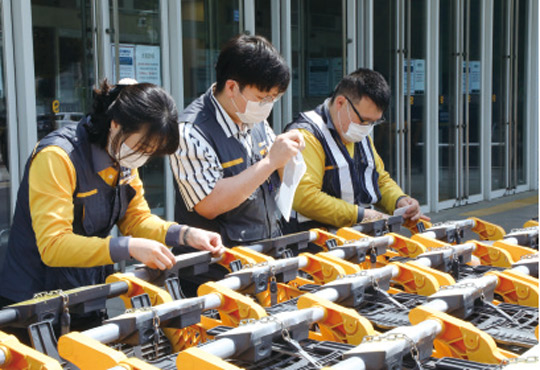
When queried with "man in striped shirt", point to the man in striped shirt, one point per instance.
{"points": [[228, 162], [345, 175]]}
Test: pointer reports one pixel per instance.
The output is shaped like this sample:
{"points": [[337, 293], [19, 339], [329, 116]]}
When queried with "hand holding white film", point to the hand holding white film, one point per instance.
{"points": [[292, 173]]}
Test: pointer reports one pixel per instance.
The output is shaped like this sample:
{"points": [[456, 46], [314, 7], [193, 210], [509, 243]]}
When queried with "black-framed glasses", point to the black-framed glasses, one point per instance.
{"points": [[363, 121]]}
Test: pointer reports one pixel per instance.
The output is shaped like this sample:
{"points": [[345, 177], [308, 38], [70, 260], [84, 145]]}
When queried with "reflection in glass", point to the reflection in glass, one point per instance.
{"points": [[473, 97], [263, 22], [459, 172], [447, 165], [206, 26], [5, 178], [508, 100], [522, 83], [415, 80], [498, 132], [317, 51], [412, 77], [384, 62], [63, 67]]}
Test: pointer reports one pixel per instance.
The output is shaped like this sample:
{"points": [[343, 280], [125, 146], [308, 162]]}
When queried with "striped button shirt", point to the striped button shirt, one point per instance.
{"points": [[195, 165]]}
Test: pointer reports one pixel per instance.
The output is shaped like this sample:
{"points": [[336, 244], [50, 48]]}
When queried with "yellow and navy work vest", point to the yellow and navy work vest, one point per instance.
{"points": [[354, 180], [24, 273], [257, 217]]}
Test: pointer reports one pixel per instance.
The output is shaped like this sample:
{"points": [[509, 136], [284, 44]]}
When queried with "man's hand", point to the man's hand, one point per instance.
{"points": [[413, 212], [372, 215], [203, 240], [230, 192], [153, 254], [285, 147]]}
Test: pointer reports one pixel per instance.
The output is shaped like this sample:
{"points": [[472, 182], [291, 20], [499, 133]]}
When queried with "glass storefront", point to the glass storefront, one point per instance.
{"points": [[206, 26], [498, 128], [415, 82], [522, 52], [508, 141], [317, 51], [472, 114], [63, 62], [400, 56], [65, 34], [5, 178], [459, 103], [384, 62], [509, 55], [263, 18], [139, 52]]}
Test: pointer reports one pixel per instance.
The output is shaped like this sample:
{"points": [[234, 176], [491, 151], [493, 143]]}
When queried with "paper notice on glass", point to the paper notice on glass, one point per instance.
{"points": [[292, 173]]}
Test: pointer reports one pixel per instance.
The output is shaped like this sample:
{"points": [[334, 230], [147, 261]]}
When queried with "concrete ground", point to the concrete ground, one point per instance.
{"points": [[510, 212]]}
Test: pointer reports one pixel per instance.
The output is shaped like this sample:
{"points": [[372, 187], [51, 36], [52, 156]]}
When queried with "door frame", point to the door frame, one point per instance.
{"points": [[461, 113], [10, 92]]}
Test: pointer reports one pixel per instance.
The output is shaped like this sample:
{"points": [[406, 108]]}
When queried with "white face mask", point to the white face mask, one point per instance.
{"points": [[255, 111], [356, 132], [127, 157]]}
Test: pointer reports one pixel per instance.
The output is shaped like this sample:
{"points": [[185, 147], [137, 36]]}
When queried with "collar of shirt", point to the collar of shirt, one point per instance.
{"points": [[225, 121], [106, 168], [326, 114], [101, 159], [325, 110]]}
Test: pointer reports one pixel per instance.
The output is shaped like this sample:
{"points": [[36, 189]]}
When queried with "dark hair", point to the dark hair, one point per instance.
{"points": [[364, 83], [140, 107], [252, 60]]}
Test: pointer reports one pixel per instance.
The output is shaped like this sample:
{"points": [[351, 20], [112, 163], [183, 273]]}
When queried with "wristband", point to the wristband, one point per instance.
{"points": [[184, 238]]}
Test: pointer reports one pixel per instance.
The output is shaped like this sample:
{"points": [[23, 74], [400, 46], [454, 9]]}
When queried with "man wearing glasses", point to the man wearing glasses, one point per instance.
{"points": [[345, 176], [227, 164]]}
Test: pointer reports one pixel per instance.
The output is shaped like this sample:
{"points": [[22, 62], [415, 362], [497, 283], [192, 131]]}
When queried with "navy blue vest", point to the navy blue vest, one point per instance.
{"points": [[257, 217], [24, 273], [331, 180]]}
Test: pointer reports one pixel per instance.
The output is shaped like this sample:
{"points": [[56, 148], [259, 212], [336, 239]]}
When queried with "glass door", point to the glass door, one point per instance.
{"points": [[263, 19], [64, 62], [136, 53], [508, 101], [206, 26], [459, 103], [317, 36], [5, 177], [400, 55]]}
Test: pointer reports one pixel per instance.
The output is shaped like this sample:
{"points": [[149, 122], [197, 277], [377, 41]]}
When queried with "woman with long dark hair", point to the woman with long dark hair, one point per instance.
{"points": [[81, 181]]}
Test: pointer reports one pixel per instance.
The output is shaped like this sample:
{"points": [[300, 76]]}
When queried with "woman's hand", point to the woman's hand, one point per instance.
{"points": [[203, 240], [153, 254]]}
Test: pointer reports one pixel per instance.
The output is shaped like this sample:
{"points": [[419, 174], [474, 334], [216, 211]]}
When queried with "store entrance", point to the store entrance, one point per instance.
{"points": [[64, 62], [400, 55], [459, 102], [508, 141]]}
